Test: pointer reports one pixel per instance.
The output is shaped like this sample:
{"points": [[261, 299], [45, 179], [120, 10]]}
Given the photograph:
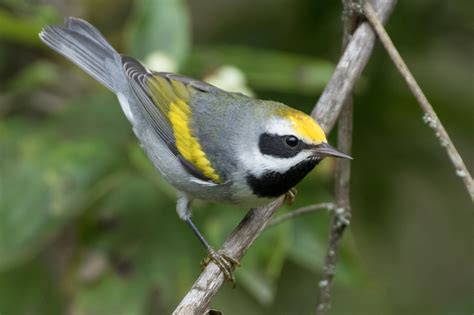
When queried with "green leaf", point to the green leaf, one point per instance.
{"points": [[265, 69], [309, 245], [307, 249], [49, 173], [160, 25], [24, 30], [263, 264], [257, 285], [30, 289], [149, 250], [40, 73], [44, 183]]}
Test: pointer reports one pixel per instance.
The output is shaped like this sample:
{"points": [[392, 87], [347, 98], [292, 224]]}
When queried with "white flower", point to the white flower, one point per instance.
{"points": [[231, 79], [160, 61]]}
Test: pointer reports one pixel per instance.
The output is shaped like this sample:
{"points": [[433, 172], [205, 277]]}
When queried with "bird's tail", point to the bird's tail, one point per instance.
{"points": [[84, 45]]}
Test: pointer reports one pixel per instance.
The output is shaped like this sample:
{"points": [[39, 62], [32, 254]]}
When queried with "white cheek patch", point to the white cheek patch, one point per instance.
{"points": [[258, 163]]}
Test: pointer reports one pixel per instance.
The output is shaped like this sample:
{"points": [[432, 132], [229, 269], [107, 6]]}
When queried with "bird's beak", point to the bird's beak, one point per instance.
{"points": [[325, 149]]}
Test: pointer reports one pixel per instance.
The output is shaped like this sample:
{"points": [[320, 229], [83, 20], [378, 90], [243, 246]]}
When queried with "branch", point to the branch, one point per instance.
{"points": [[206, 286], [327, 110], [348, 69], [341, 217], [301, 211], [430, 116]]}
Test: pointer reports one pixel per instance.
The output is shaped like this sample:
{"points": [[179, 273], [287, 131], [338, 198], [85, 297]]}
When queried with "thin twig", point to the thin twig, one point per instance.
{"points": [[430, 116], [341, 216], [301, 211], [326, 112]]}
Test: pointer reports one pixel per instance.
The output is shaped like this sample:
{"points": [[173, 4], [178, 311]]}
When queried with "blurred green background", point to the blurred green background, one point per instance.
{"points": [[88, 227]]}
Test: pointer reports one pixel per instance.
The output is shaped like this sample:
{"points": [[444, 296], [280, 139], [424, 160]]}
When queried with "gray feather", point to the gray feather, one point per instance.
{"points": [[225, 123], [86, 29], [82, 44]]}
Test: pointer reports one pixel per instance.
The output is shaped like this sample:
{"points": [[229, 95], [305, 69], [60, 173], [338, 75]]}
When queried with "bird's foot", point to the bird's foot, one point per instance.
{"points": [[226, 264], [290, 196]]}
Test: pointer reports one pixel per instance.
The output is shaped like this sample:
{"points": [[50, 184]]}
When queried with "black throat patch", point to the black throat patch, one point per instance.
{"points": [[274, 184]]}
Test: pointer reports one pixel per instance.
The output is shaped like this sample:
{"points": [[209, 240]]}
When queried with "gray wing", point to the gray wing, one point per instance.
{"points": [[155, 98], [85, 46]]}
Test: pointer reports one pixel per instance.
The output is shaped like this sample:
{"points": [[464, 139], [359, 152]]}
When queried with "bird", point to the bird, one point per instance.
{"points": [[209, 144]]}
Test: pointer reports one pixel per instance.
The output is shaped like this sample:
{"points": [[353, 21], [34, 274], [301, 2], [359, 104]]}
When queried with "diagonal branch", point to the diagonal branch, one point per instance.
{"points": [[348, 69], [206, 286], [326, 112], [430, 117]]}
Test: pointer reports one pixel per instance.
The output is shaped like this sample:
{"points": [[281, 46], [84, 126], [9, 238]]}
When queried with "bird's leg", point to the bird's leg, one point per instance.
{"points": [[290, 195], [225, 262]]}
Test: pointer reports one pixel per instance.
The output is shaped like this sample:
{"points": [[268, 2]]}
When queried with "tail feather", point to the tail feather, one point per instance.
{"points": [[85, 46], [88, 30]]}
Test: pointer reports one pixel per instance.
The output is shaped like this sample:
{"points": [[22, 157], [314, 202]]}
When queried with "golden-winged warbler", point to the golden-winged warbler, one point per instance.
{"points": [[208, 143]]}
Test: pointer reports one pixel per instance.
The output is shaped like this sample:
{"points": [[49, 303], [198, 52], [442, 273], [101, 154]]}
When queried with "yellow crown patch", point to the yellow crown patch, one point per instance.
{"points": [[305, 126]]}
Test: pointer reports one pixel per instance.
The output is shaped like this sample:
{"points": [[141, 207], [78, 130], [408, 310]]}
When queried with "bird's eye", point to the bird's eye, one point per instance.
{"points": [[292, 141]]}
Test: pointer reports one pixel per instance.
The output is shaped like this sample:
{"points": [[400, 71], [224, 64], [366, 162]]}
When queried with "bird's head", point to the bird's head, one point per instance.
{"points": [[290, 145]]}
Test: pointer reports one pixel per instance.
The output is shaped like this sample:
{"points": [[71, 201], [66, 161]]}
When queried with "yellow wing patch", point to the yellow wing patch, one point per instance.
{"points": [[171, 98], [187, 144], [305, 125]]}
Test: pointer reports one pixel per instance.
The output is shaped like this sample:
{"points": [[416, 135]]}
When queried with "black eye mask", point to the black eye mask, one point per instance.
{"points": [[281, 146]]}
